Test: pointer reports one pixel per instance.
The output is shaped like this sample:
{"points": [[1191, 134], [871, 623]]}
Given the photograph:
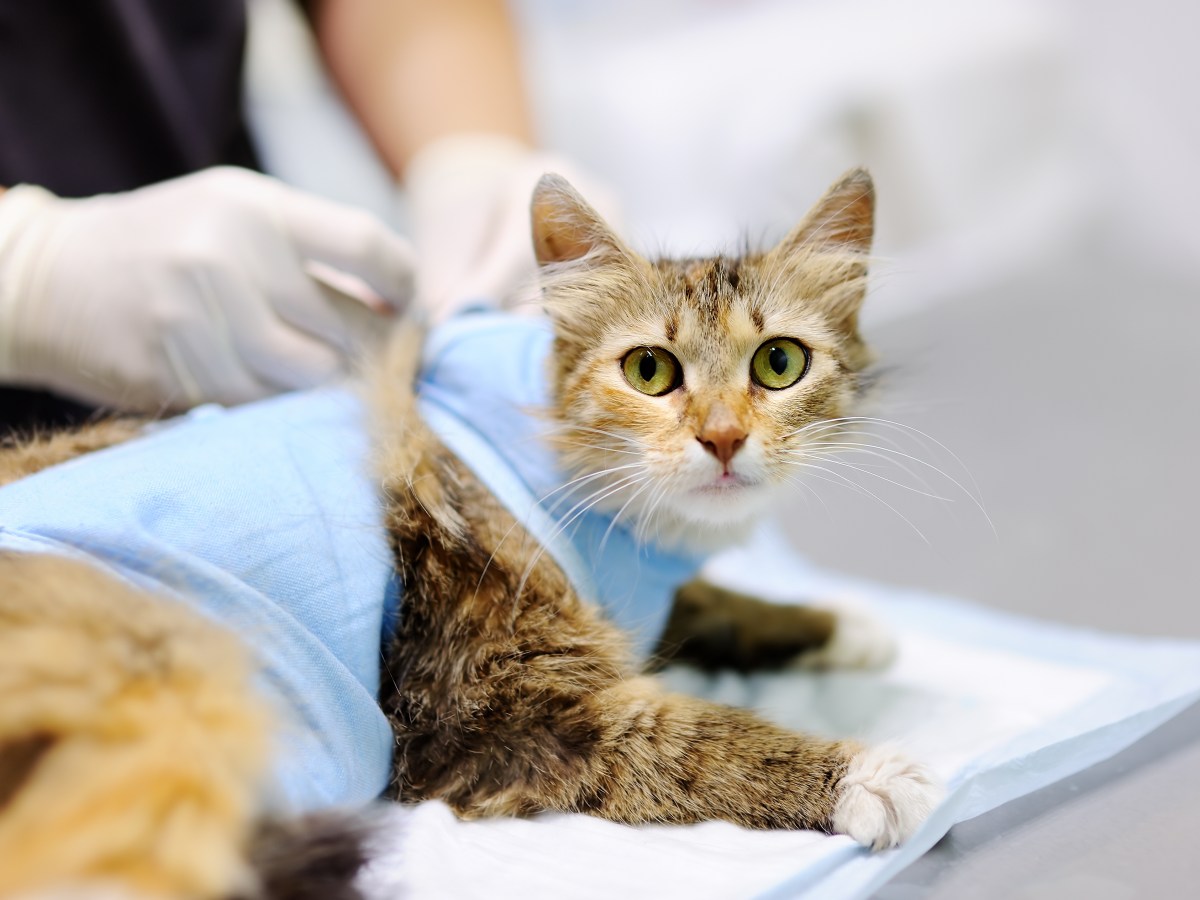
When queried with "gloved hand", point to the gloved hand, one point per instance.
{"points": [[221, 286], [469, 198]]}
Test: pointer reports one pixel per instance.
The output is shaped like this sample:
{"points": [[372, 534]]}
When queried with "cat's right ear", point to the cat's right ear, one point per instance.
{"points": [[566, 228]]}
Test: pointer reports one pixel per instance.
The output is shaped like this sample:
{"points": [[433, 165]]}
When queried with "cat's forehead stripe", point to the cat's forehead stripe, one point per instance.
{"points": [[711, 289]]}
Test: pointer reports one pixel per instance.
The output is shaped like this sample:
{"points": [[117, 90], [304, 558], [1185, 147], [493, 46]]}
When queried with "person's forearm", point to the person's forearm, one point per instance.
{"points": [[417, 70]]}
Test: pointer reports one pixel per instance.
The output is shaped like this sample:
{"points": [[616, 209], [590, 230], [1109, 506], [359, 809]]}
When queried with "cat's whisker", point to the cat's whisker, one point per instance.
{"points": [[572, 515], [624, 506], [815, 428], [904, 428], [646, 520], [828, 441], [891, 454], [828, 450], [656, 485], [858, 488], [654, 509], [832, 425], [974, 493], [801, 483], [604, 493], [492, 558], [570, 487], [576, 483], [908, 487], [568, 428], [587, 503], [600, 447]]}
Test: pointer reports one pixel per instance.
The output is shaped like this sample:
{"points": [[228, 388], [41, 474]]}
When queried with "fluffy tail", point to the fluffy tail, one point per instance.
{"points": [[133, 750], [132, 744], [314, 858]]}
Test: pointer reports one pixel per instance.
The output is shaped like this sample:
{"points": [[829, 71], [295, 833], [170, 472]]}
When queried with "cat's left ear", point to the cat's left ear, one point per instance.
{"points": [[841, 221]]}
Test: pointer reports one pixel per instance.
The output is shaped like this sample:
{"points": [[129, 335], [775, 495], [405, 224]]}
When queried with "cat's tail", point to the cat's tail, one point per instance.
{"points": [[131, 747], [134, 749], [317, 857], [409, 459]]}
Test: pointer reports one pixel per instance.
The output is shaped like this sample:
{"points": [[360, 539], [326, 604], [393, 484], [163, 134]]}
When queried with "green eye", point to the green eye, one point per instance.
{"points": [[779, 363], [652, 370]]}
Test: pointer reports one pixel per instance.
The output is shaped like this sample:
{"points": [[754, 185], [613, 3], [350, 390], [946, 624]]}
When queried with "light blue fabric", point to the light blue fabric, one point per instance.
{"points": [[265, 516]]}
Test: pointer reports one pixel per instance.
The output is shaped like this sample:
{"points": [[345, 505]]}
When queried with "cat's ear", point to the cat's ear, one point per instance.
{"points": [[841, 221], [566, 228], [831, 246]]}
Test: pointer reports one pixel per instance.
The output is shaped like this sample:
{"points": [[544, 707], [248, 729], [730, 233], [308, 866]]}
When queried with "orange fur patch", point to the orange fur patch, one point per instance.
{"points": [[152, 739]]}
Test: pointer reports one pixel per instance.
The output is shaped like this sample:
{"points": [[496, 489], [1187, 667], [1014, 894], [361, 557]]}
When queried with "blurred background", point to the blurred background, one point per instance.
{"points": [[1038, 257], [1035, 309]]}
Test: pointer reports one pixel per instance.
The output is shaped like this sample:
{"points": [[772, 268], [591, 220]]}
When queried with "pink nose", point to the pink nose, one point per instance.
{"points": [[722, 442]]}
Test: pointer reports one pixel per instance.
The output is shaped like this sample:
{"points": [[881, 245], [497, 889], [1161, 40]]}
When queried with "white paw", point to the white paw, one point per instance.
{"points": [[884, 798], [860, 641]]}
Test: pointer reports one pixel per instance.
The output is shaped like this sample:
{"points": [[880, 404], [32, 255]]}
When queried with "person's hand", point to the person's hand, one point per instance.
{"points": [[469, 196], [221, 286]]}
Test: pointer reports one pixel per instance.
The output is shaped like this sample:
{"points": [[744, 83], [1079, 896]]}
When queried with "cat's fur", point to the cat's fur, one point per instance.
{"points": [[507, 691]]}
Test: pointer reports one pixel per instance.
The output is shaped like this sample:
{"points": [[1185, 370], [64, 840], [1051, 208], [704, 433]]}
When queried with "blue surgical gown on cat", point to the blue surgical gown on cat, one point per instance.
{"points": [[266, 518]]}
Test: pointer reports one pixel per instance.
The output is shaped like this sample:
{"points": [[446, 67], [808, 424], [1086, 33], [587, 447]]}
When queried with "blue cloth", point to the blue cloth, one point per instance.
{"points": [[266, 518]]}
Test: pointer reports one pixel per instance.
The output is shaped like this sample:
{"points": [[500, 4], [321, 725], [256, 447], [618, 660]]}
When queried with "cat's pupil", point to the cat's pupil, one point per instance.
{"points": [[648, 366], [777, 358]]}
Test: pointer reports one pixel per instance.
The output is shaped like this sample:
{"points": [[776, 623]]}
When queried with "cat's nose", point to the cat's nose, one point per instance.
{"points": [[722, 442]]}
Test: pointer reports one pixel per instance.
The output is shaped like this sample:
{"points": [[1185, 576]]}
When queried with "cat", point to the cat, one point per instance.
{"points": [[508, 688]]}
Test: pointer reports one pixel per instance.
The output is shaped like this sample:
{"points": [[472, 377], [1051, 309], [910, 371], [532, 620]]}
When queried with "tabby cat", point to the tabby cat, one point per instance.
{"points": [[677, 393]]}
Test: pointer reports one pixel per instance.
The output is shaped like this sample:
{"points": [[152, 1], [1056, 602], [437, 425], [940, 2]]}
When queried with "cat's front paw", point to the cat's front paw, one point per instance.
{"points": [[884, 797], [859, 641]]}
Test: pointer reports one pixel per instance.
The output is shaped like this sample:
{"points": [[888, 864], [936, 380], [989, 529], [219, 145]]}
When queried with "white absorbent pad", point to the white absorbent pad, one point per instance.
{"points": [[998, 706]]}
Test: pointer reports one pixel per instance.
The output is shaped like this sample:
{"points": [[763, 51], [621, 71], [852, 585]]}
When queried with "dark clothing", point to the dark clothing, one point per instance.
{"points": [[99, 96], [110, 95]]}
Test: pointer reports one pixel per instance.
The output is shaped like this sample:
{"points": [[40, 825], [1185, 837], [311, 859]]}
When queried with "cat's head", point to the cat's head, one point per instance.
{"points": [[686, 390]]}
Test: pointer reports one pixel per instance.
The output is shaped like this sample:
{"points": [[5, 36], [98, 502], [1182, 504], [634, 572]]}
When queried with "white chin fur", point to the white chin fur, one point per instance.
{"points": [[707, 522], [674, 532], [738, 504], [688, 516]]}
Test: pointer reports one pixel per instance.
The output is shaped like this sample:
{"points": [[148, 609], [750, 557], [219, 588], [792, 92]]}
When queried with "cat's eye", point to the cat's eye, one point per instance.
{"points": [[652, 370], [779, 363]]}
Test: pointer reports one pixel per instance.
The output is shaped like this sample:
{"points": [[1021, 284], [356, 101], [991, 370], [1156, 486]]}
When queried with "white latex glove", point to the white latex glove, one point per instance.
{"points": [[225, 285], [469, 198]]}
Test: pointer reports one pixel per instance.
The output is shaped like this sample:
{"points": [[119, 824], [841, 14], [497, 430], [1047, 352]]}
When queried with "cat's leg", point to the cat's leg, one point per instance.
{"points": [[711, 627], [131, 740], [663, 757], [510, 695], [20, 457], [547, 717]]}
